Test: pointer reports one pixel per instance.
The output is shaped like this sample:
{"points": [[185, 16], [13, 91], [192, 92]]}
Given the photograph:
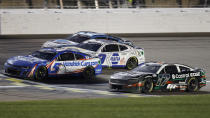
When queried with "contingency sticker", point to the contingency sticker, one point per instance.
{"points": [[178, 76]]}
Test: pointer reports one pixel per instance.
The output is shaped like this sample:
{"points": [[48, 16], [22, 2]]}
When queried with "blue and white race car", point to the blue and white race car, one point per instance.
{"points": [[114, 54], [81, 37], [52, 63]]}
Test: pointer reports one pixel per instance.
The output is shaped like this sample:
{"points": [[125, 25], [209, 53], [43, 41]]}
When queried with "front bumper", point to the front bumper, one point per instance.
{"points": [[124, 87], [16, 71]]}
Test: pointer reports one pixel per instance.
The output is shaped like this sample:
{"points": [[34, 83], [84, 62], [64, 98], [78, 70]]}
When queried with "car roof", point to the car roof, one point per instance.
{"points": [[103, 41], [154, 63], [95, 34], [88, 33], [63, 49], [163, 63]]}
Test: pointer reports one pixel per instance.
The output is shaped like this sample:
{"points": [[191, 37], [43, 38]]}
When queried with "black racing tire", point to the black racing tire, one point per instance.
{"points": [[41, 73], [147, 86], [88, 73], [132, 63], [192, 84]]}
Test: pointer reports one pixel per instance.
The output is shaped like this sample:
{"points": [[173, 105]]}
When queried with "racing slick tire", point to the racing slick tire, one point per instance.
{"points": [[192, 84], [147, 86], [88, 73], [132, 63], [41, 73]]}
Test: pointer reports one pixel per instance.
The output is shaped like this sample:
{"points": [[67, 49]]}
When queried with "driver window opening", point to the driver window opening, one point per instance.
{"points": [[66, 57]]}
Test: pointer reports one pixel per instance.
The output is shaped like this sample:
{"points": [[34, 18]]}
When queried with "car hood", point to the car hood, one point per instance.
{"points": [[25, 60], [58, 43], [128, 75]]}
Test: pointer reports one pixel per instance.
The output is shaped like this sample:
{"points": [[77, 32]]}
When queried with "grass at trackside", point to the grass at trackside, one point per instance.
{"points": [[195, 106]]}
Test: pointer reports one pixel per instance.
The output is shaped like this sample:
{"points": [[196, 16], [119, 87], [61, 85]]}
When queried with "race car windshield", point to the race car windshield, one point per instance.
{"points": [[78, 38], [90, 46], [147, 68], [44, 55]]}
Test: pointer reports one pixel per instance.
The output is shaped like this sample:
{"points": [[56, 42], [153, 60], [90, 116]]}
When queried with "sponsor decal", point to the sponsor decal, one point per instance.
{"points": [[32, 71], [171, 86], [82, 63], [48, 65], [122, 61], [102, 57], [98, 70], [179, 76], [115, 58]]}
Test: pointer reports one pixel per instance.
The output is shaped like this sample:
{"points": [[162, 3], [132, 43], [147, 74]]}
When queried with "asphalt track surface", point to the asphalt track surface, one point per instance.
{"points": [[193, 51]]}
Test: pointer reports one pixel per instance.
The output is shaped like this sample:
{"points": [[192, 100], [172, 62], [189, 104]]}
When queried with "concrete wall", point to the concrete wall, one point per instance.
{"points": [[56, 21]]}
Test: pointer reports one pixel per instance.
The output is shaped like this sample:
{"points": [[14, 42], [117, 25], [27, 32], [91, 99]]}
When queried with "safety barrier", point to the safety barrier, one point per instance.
{"points": [[67, 21]]}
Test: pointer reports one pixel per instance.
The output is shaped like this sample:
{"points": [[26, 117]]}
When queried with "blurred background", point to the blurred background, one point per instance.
{"points": [[53, 17], [102, 4]]}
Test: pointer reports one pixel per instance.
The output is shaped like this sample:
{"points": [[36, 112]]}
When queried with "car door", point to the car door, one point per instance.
{"points": [[63, 60], [124, 54], [164, 77], [69, 62], [57, 66], [110, 55]]}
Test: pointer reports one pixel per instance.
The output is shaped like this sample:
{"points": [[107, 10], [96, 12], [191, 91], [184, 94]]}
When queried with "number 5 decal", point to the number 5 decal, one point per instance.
{"points": [[55, 68]]}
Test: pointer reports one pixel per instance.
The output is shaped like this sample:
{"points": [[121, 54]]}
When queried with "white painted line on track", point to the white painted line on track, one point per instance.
{"points": [[11, 87], [1, 75], [207, 81], [20, 83], [53, 87], [81, 90]]}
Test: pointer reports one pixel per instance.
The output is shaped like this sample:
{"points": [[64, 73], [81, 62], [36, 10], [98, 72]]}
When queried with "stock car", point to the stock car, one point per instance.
{"points": [[81, 37], [114, 54], [49, 62], [159, 76]]}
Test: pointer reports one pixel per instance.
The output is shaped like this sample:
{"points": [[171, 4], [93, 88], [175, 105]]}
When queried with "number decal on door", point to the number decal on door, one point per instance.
{"points": [[102, 57]]}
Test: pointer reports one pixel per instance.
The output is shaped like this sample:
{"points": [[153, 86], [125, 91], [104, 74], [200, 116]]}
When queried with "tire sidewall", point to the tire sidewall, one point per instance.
{"points": [[37, 76], [129, 61], [189, 89], [86, 73], [145, 82]]}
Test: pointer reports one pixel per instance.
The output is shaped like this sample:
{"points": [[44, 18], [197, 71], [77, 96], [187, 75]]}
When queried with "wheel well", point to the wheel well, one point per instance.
{"points": [[145, 77], [133, 58], [37, 69], [91, 67]]}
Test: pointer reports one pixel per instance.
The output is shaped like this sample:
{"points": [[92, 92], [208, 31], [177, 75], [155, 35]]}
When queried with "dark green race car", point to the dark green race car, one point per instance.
{"points": [[157, 76]]}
